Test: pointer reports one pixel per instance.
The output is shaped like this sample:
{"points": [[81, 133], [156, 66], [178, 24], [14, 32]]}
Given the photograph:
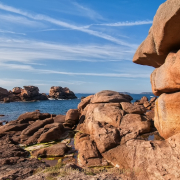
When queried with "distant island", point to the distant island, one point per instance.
{"points": [[146, 93], [125, 92]]}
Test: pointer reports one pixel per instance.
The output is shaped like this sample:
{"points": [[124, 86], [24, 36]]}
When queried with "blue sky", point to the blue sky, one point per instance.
{"points": [[86, 45]]}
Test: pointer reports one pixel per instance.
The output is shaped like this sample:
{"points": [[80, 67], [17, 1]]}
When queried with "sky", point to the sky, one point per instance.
{"points": [[86, 45]]}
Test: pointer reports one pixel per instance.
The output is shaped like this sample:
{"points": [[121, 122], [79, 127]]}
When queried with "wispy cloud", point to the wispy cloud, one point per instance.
{"points": [[122, 24], [28, 51], [11, 32], [88, 12], [47, 71], [20, 20], [41, 17], [129, 75], [11, 82]]}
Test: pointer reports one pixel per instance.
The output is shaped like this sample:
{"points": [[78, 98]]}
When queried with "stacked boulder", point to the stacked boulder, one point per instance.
{"points": [[165, 57], [58, 92], [108, 119], [160, 159], [29, 93]]}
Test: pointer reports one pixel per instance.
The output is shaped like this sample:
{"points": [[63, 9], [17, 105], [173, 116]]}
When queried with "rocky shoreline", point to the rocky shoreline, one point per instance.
{"points": [[107, 136], [31, 93], [89, 135]]}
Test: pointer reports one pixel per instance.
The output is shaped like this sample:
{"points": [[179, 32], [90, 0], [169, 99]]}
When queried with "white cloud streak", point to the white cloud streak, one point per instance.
{"points": [[89, 12], [96, 74], [44, 71], [41, 17], [122, 24], [20, 20], [11, 32], [28, 51]]}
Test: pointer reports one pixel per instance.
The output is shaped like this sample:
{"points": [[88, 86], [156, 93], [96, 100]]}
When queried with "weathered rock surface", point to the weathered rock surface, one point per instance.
{"points": [[56, 150], [14, 161], [133, 109], [58, 92], [163, 36], [29, 93], [152, 159], [59, 118], [88, 154], [165, 79], [72, 117], [33, 127], [146, 53], [84, 102], [167, 115], [32, 116], [106, 125], [158, 159], [107, 96]]}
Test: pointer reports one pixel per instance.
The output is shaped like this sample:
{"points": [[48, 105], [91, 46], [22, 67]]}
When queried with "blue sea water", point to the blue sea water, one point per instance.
{"points": [[14, 109]]}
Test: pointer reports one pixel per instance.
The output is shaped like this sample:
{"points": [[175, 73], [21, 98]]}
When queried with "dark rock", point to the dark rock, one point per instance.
{"points": [[59, 118], [31, 129], [51, 132], [32, 116], [3, 93], [59, 149], [58, 92], [72, 117]]}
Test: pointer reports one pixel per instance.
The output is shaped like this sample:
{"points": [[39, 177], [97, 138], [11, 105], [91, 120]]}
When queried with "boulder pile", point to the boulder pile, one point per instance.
{"points": [[109, 120], [29, 93], [58, 92]]}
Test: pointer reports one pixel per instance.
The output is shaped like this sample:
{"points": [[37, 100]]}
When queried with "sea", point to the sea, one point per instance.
{"points": [[11, 111]]}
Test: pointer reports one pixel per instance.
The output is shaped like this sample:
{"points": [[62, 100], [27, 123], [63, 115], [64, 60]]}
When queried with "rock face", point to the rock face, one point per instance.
{"points": [[163, 36], [108, 121], [165, 82], [149, 159], [29, 93], [72, 117], [167, 120], [165, 79], [158, 159], [57, 92]]}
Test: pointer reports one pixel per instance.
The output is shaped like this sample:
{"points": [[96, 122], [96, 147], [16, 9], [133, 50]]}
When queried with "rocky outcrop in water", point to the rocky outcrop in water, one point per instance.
{"points": [[29, 93], [58, 92]]}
